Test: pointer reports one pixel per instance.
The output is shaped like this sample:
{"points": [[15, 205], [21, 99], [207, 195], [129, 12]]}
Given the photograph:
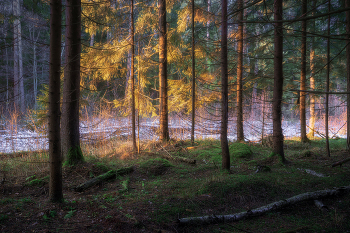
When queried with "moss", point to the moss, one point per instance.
{"points": [[240, 150], [155, 167], [74, 156]]}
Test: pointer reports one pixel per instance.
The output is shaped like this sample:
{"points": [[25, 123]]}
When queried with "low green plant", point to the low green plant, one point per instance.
{"points": [[155, 166], [3, 217], [70, 214], [240, 150]]}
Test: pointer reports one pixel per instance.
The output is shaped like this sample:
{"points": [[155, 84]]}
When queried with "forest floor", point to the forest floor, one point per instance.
{"points": [[159, 191]]}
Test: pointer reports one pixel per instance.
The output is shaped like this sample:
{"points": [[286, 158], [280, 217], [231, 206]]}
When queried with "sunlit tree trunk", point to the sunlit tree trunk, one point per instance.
{"points": [[132, 80], [303, 76], [193, 78], [55, 190], [163, 81], [347, 4], [71, 87], [224, 88], [278, 82], [327, 81], [240, 134], [312, 119]]}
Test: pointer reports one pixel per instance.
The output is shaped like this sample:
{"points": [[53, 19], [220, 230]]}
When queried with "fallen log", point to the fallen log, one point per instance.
{"points": [[106, 176], [340, 162], [177, 158], [264, 209]]}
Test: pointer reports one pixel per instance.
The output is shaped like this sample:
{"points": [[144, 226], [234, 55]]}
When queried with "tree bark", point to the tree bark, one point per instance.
{"points": [[278, 83], [302, 104], [240, 134], [55, 190], [163, 80], [264, 209], [132, 79], [347, 4], [71, 87], [327, 82], [224, 89], [193, 78], [312, 119]]}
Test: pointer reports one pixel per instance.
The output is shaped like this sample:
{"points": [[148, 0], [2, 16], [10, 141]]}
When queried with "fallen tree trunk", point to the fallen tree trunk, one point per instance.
{"points": [[106, 176], [264, 209], [340, 162]]}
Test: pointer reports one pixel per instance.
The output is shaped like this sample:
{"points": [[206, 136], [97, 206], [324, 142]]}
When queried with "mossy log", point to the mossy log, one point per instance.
{"points": [[105, 176], [264, 209], [341, 162]]}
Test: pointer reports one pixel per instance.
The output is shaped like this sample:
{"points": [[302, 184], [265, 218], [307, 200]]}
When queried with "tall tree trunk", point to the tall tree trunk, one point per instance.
{"points": [[327, 81], [312, 119], [193, 78], [18, 61], [71, 87], [240, 135], [278, 83], [347, 4], [303, 75], [132, 42], [224, 88], [55, 191], [163, 80]]}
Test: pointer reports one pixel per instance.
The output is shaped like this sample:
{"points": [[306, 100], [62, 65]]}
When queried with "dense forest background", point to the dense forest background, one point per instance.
{"points": [[106, 61]]}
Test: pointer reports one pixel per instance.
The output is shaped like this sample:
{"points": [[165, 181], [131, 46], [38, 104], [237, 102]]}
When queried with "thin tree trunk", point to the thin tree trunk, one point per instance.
{"points": [[303, 75], [163, 81], [55, 190], [240, 134], [347, 4], [312, 119], [71, 87], [327, 82], [224, 89], [193, 78], [132, 42], [278, 83]]}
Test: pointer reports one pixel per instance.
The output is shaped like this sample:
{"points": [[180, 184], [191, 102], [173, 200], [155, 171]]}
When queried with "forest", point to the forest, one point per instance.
{"points": [[174, 116]]}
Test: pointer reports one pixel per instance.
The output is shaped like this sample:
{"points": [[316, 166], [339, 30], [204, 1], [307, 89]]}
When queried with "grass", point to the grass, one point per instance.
{"points": [[160, 191]]}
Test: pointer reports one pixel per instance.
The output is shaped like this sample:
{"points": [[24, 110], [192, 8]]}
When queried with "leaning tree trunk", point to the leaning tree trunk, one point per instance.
{"points": [[347, 4], [278, 83], [55, 190], [193, 78], [240, 135], [71, 87], [163, 81], [303, 75], [224, 89]]}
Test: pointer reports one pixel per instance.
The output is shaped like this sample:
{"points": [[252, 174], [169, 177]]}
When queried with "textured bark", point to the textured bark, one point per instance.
{"points": [[18, 60], [327, 83], [55, 190], [302, 104], [193, 78], [224, 89], [312, 119], [163, 80], [278, 83], [106, 176], [132, 79], [240, 134], [347, 4], [265, 209], [71, 87]]}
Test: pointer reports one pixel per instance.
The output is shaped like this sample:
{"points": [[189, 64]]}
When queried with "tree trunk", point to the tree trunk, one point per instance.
{"points": [[193, 78], [327, 82], [278, 83], [240, 135], [224, 89], [132, 79], [71, 87], [163, 81], [347, 4], [55, 191], [303, 75], [312, 119]]}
